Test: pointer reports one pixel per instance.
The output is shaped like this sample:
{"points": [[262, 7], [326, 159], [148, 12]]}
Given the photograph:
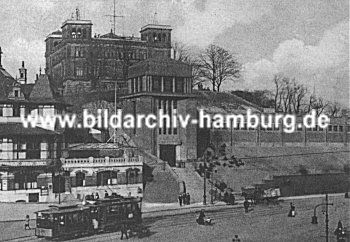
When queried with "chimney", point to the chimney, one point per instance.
{"points": [[23, 64]]}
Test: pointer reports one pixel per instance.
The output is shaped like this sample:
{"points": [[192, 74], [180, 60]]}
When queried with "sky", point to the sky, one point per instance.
{"points": [[303, 39]]}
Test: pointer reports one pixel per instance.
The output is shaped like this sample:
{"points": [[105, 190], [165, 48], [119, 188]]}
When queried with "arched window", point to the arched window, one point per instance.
{"points": [[80, 179], [155, 37], [79, 33], [106, 178], [74, 33], [132, 176], [84, 33]]}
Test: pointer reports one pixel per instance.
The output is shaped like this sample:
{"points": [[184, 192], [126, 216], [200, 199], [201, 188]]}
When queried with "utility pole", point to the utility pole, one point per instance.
{"points": [[327, 220], [204, 188], [205, 182]]}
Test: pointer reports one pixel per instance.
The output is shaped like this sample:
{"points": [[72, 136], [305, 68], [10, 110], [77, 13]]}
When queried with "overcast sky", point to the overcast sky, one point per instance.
{"points": [[305, 39]]}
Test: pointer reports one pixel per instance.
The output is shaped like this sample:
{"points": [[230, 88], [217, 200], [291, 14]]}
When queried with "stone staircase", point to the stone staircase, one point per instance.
{"points": [[194, 183]]}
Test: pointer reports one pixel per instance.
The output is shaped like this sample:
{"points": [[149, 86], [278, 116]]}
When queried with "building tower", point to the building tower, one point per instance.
{"points": [[157, 36], [22, 74]]}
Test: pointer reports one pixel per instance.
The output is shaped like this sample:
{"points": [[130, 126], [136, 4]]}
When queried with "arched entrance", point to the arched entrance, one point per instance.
{"points": [[132, 176], [106, 178], [80, 179]]}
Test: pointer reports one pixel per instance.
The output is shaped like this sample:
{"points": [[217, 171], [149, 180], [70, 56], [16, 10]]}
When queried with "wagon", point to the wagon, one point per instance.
{"points": [[258, 194]]}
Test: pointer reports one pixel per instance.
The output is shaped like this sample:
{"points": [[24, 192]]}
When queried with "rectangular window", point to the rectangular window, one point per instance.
{"points": [[179, 84], [156, 83], [340, 128], [330, 128], [16, 93], [1, 111], [41, 110], [16, 111], [79, 71], [168, 84], [141, 86], [132, 85], [335, 128]]}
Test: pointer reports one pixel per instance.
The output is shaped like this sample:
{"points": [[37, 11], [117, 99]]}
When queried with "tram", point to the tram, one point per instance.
{"points": [[101, 215]]}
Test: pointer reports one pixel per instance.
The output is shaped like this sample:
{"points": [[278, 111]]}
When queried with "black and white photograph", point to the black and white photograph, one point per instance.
{"points": [[174, 120]]}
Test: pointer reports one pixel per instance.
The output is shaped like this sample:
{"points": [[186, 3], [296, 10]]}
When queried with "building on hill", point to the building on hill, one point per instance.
{"points": [[76, 61], [162, 84]]}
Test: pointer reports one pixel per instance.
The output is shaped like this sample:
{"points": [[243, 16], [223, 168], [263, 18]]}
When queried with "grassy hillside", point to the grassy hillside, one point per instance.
{"points": [[264, 162]]}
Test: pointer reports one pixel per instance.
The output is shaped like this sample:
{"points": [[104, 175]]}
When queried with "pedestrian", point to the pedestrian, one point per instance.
{"points": [[26, 224], [292, 210], [200, 219], [188, 199], [97, 196], [124, 230], [183, 196], [95, 225], [106, 194], [236, 239], [180, 200], [246, 206]]}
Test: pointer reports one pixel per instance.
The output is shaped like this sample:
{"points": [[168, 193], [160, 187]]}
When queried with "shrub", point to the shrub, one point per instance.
{"points": [[303, 170]]}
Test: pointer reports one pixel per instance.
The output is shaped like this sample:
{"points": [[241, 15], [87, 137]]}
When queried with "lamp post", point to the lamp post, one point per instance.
{"points": [[204, 187], [314, 218]]}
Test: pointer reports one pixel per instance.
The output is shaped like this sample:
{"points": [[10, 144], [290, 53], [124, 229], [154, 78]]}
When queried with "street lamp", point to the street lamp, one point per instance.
{"points": [[314, 218]]}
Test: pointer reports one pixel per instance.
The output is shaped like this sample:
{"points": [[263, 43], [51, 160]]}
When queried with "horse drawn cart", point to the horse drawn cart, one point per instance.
{"points": [[260, 194]]}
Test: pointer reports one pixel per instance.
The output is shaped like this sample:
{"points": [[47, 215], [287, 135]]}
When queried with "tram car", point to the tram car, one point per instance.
{"points": [[101, 215]]}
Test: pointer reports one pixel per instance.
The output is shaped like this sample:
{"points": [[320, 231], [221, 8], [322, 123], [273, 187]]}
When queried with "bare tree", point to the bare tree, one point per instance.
{"points": [[334, 109], [289, 96], [182, 53], [317, 104], [218, 65]]}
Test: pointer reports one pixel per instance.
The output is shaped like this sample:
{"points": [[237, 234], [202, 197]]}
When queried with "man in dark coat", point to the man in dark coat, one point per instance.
{"points": [[124, 230], [246, 205], [180, 200]]}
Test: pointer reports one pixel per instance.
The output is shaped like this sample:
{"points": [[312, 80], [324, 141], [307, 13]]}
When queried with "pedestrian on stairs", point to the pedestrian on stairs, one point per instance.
{"points": [[188, 199], [180, 200]]}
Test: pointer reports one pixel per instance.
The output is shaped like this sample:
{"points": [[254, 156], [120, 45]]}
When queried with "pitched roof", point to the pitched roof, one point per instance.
{"points": [[27, 89], [6, 82], [160, 67], [42, 92]]}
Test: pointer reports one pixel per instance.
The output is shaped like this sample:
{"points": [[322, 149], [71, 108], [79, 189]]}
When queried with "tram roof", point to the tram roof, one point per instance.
{"points": [[63, 209], [116, 200]]}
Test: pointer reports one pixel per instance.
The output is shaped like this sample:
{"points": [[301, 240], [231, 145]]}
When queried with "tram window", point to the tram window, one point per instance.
{"points": [[61, 220], [114, 209], [75, 218]]}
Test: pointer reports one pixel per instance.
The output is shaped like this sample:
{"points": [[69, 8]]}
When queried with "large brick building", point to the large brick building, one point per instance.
{"points": [[77, 61]]}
